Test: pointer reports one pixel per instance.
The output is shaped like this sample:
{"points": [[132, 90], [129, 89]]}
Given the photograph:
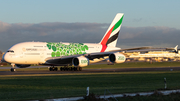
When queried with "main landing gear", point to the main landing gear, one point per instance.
{"points": [[12, 69], [65, 68], [53, 68], [71, 68]]}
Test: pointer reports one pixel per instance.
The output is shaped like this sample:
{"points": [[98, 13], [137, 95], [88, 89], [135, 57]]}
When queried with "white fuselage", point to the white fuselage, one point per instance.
{"points": [[37, 52]]}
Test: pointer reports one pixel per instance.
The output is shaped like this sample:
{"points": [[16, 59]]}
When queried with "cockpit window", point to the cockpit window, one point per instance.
{"points": [[10, 51]]}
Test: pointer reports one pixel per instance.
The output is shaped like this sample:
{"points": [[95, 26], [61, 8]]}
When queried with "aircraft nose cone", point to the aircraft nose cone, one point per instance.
{"points": [[4, 58]]}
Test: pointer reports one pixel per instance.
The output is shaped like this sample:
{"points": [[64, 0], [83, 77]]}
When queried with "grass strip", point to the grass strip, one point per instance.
{"points": [[135, 65], [64, 85]]}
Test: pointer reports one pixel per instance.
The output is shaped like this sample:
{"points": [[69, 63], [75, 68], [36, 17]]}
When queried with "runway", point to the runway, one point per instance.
{"points": [[20, 72]]}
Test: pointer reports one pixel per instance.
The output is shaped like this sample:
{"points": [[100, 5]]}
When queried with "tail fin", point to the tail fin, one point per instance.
{"points": [[111, 35], [175, 48]]}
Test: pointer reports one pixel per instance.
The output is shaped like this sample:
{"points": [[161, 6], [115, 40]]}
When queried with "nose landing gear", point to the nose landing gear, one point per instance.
{"points": [[12, 69]]}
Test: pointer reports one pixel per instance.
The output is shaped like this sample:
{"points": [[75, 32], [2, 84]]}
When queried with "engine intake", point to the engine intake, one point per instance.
{"points": [[117, 58], [80, 61]]}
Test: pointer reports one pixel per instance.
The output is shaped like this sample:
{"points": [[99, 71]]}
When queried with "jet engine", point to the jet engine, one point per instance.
{"points": [[22, 66], [117, 58], [80, 61]]}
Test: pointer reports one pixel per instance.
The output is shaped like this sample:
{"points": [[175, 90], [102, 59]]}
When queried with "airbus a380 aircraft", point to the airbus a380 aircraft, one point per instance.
{"points": [[67, 54]]}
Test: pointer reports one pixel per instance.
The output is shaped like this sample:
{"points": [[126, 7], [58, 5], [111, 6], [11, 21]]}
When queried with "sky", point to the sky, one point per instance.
{"points": [[146, 22]]}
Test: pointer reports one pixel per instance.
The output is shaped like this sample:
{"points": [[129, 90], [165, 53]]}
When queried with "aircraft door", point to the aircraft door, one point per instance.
{"points": [[20, 54], [42, 56]]}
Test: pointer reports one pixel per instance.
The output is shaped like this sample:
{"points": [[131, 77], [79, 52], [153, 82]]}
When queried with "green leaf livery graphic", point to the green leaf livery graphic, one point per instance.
{"points": [[60, 49]]}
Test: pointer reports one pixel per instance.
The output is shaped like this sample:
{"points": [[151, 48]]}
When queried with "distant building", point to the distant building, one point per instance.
{"points": [[157, 56], [1, 54]]}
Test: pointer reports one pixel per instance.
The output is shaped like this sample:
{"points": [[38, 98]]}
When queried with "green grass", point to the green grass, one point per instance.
{"points": [[68, 85], [135, 65]]}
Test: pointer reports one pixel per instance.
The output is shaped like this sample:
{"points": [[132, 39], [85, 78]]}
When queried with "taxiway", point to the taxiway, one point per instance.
{"points": [[20, 72]]}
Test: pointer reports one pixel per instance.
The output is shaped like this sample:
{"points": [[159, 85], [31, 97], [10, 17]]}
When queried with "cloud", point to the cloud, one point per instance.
{"points": [[50, 32], [149, 36], [4, 26], [11, 34]]}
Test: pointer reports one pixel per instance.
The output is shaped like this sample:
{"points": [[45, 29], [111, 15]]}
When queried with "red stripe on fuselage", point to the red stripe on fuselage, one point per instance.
{"points": [[103, 48], [104, 41]]}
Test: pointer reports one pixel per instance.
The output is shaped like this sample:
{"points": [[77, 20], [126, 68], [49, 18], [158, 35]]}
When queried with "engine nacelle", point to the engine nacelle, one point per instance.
{"points": [[22, 66], [80, 61], [117, 58]]}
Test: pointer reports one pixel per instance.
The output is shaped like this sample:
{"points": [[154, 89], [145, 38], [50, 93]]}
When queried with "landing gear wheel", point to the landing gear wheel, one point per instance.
{"points": [[77, 68], [64, 69], [50, 69], [80, 68], [55, 68], [13, 69], [69, 68]]}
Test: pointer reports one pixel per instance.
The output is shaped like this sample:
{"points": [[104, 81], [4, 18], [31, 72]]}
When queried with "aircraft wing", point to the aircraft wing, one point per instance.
{"points": [[144, 49], [137, 48], [65, 60]]}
